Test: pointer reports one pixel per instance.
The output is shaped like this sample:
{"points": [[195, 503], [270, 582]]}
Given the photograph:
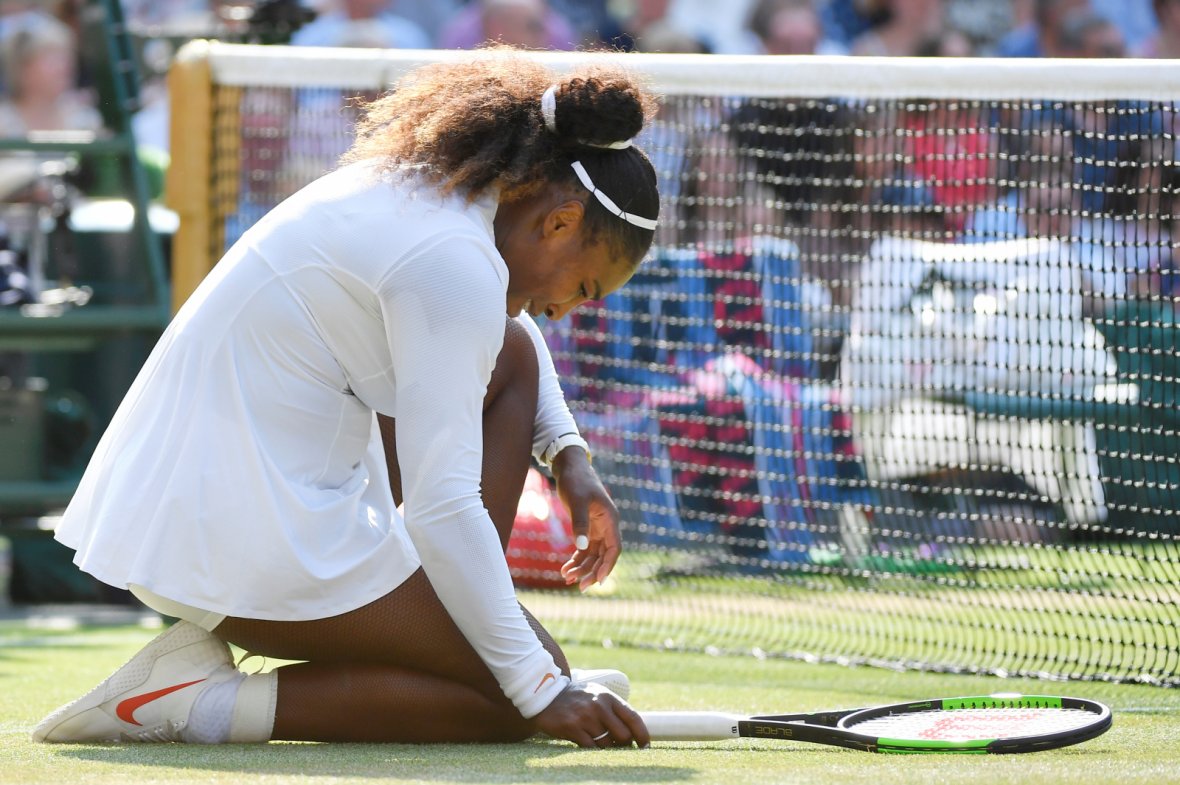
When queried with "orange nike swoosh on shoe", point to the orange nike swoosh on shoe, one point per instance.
{"points": [[544, 679], [127, 708]]}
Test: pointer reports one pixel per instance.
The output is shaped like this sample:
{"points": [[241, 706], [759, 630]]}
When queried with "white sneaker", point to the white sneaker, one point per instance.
{"points": [[149, 698], [614, 680]]}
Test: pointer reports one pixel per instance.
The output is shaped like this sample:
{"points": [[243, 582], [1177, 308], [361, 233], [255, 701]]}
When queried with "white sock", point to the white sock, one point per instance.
{"points": [[239, 710], [253, 715], [212, 713]]}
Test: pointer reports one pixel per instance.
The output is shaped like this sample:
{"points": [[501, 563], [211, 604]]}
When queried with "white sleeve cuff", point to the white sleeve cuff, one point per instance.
{"points": [[560, 443], [534, 697]]}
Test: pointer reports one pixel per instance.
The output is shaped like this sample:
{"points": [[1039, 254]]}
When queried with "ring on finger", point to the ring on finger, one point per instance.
{"points": [[601, 736]]}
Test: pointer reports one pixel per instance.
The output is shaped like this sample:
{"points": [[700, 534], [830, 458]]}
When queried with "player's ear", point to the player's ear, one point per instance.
{"points": [[564, 217]]}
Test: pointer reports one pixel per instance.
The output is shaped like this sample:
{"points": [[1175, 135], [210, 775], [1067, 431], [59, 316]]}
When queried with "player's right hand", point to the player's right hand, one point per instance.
{"points": [[592, 718], [594, 516]]}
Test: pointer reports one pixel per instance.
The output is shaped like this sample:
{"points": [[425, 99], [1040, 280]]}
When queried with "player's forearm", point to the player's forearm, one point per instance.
{"points": [[572, 458]]}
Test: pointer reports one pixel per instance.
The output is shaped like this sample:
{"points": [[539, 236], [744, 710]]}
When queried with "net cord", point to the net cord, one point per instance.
{"points": [[728, 75]]}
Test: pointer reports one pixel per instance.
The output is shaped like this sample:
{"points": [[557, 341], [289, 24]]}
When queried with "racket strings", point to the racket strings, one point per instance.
{"points": [[966, 724]]}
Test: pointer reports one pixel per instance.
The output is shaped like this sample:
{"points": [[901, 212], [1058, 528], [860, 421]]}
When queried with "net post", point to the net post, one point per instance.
{"points": [[190, 82]]}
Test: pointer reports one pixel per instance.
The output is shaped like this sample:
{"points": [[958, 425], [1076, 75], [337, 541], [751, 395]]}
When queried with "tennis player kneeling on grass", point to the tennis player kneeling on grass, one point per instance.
{"points": [[298, 468]]}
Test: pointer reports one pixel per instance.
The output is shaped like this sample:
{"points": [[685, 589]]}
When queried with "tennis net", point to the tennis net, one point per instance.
{"points": [[898, 381]]}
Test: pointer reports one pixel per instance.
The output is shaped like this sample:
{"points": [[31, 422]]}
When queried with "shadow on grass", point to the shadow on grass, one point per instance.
{"points": [[534, 761]]}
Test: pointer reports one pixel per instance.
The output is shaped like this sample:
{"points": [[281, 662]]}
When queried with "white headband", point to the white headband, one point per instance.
{"points": [[549, 112], [608, 203]]}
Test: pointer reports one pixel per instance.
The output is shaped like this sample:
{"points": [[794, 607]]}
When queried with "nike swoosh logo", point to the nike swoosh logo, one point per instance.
{"points": [[545, 678], [127, 708]]}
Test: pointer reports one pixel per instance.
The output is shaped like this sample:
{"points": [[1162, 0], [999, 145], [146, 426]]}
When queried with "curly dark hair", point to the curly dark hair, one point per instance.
{"points": [[476, 125]]}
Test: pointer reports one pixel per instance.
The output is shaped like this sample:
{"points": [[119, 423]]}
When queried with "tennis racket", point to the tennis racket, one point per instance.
{"points": [[1001, 723]]}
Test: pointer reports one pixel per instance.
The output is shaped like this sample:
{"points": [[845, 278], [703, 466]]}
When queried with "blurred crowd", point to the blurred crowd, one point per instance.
{"points": [[954, 184], [50, 84], [1026, 28], [44, 89]]}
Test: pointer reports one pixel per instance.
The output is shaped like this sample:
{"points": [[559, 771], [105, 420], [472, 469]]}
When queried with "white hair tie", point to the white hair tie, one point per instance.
{"points": [[549, 112], [549, 108], [623, 145], [608, 203]]}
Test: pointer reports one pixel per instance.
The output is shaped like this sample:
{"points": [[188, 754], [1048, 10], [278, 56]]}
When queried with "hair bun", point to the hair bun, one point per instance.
{"points": [[600, 108]]}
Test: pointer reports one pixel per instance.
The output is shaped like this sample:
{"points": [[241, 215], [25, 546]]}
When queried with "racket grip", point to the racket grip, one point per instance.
{"points": [[690, 725]]}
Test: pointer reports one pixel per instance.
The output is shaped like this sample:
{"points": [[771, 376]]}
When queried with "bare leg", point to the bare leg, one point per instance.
{"points": [[384, 703], [399, 669]]}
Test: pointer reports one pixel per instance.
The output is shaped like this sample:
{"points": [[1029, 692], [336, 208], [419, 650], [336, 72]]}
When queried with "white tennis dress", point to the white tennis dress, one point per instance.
{"points": [[243, 473]]}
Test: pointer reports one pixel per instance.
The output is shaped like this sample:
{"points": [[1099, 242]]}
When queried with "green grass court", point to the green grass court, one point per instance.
{"points": [[41, 668], [1108, 612]]}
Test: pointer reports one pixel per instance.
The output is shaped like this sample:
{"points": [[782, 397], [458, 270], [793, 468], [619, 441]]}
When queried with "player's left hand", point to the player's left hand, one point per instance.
{"points": [[594, 517]]}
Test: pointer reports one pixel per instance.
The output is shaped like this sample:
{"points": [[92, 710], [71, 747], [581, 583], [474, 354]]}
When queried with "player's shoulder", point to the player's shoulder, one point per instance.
{"points": [[363, 211]]}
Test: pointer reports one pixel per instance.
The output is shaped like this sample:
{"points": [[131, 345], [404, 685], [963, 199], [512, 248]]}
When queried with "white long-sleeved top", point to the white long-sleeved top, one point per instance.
{"points": [[244, 474]]}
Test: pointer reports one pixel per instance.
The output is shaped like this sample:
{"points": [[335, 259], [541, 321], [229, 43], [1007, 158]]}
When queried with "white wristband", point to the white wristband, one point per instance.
{"points": [[560, 443]]}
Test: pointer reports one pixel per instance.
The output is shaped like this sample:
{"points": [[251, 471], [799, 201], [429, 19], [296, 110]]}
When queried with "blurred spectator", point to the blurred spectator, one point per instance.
{"points": [[1165, 42], [908, 208], [951, 42], [430, 15], [790, 27], [821, 168], [904, 29], [517, 22], [370, 21], [1039, 35], [271, 22], [817, 169], [981, 21], [38, 60], [721, 25], [592, 21], [1135, 19], [1109, 250], [15, 289], [531, 24], [172, 16], [637, 19], [39, 57], [730, 205], [845, 20], [1166, 283], [951, 149], [15, 14], [1022, 13], [250, 21], [1103, 132], [1043, 167], [1141, 236], [985, 23], [1086, 34], [662, 36], [1051, 210]]}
